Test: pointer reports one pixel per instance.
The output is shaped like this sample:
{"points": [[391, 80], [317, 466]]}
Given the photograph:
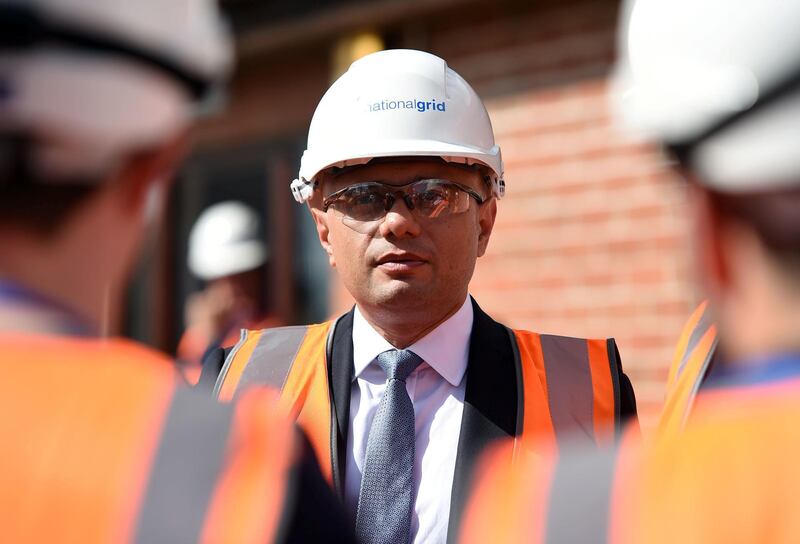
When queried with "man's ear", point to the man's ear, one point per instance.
{"points": [[486, 216], [709, 241], [323, 233]]}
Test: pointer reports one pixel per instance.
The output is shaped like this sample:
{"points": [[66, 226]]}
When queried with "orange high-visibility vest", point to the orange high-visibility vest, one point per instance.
{"points": [[689, 368], [731, 476], [103, 444], [567, 387]]}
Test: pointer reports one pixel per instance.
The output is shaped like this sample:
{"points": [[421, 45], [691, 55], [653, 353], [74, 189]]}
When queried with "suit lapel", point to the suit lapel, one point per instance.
{"points": [[490, 404], [340, 376]]}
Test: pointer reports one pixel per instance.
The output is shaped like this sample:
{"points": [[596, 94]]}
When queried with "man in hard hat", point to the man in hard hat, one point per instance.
{"points": [[226, 251], [402, 394], [718, 83], [100, 441]]}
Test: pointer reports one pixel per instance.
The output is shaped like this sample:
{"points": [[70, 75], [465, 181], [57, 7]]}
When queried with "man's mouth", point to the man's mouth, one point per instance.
{"points": [[400, 262]]}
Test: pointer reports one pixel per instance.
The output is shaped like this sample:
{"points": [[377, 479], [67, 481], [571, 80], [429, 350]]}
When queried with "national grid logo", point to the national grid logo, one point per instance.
{"points": [[411, 104]]}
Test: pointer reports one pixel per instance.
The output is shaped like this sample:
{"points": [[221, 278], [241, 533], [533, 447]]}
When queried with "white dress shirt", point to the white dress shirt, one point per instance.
{"points": [[436, 389]]}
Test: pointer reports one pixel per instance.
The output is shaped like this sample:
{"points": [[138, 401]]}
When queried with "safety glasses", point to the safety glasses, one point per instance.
{"points": [[362, 204]]}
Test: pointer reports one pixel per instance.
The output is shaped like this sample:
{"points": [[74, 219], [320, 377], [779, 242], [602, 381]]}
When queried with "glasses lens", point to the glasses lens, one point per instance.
{"points": [[361, 202], [437, 198], [362, 207]]}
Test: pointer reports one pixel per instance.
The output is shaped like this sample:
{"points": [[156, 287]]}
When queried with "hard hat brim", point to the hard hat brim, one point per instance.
{"points": [[315, 162]]}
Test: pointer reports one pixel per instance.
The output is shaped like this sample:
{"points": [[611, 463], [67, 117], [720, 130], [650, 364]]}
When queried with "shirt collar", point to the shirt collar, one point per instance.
{"points": [[445, 348], [755, 371]]}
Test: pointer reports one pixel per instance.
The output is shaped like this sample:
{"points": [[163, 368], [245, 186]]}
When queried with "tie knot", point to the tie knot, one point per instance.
{"points": [[398, 363]]}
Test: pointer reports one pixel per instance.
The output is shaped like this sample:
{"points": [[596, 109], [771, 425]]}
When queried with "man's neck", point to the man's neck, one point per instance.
{"points": [[765, 323], [62, 279], [402, 330]]}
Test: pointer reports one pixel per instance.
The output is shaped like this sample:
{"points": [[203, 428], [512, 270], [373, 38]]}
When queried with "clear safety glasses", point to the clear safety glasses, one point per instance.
{"points": [[363, 205]]}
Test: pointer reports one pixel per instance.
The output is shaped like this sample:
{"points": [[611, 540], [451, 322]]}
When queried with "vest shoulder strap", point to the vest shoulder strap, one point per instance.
{"points": [[692, 333], [266, 357], [690, 364], [570, 386]]}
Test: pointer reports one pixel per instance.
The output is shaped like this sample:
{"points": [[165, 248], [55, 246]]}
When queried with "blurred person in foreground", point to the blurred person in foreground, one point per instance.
{"points": [[718, 83], [101, 442], [402, 394], [227, 252]]}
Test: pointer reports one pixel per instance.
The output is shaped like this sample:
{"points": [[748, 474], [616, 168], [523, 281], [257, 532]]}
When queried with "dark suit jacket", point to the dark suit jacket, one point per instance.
{"points": [[490, 400]]}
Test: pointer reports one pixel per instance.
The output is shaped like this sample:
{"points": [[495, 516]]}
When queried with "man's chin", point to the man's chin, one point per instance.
{"points": [[403, 293]]}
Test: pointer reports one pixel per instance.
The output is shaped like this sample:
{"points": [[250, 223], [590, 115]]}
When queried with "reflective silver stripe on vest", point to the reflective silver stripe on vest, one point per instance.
{"points": [[697, 334], [187, 465], [570, 393], [271, 360], [580, 497], [273, 356], [223, 373], [699, 380]]}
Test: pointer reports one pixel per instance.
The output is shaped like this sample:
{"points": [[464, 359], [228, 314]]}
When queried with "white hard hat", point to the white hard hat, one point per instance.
{"points": [[90, 80], [717, 81], [398, 103], [225, 240]]}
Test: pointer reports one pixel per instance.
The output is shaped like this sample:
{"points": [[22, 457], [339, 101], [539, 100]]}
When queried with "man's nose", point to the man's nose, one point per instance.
{"points": [[400, 221]]}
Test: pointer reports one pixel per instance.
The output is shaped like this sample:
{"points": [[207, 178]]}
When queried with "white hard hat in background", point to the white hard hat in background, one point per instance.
{"points": [[226, 239], [398, 103], [90, 80], [718, 82]]}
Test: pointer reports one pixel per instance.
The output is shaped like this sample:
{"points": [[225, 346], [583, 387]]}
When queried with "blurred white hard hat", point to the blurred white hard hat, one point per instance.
{"points": [[398, 103], [718, 82], [89, 80], [225, 240]]}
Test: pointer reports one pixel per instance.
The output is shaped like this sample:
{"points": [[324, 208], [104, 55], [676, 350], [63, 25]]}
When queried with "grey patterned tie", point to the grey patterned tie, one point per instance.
{"points": [[387, 485]]}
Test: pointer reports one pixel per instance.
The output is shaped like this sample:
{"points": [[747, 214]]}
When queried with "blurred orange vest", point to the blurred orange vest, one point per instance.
{"points": [[731, 476], [103, 444], [296, 361]]}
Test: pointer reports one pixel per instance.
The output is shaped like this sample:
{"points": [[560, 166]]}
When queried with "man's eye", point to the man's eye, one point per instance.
{"points": [[433, 196], [361, 197]]}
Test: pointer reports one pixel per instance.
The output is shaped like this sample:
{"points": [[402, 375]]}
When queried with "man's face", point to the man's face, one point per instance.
{"points": [[405, 262]]}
